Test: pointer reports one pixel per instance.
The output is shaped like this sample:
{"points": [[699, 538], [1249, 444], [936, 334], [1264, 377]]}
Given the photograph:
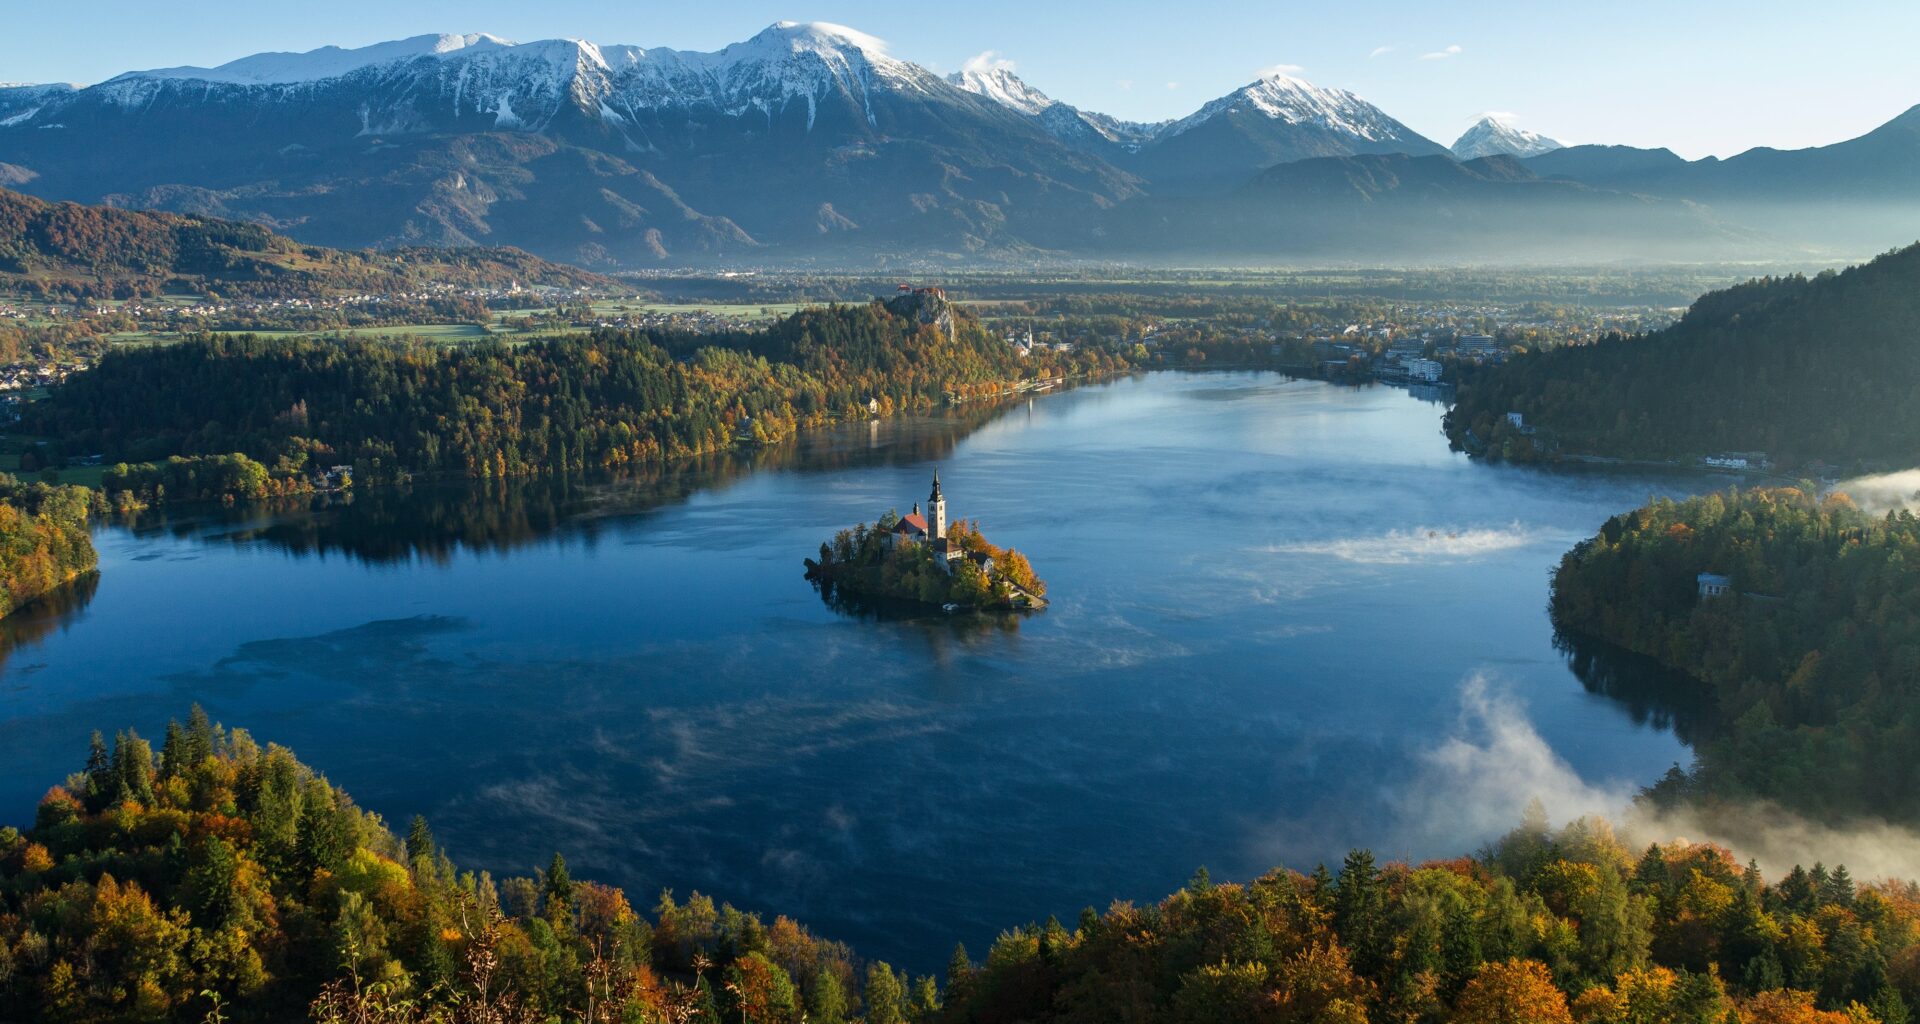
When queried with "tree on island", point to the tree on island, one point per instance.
{"points": [[971, 572]]}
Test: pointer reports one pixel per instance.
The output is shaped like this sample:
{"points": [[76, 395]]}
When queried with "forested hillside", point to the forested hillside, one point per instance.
{"points": [[587, 402], [100, 251], [1813, 658], [215, 879], [1804, 369]]}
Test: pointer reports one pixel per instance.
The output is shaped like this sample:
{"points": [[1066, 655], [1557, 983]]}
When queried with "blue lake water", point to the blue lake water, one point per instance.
{"points": [[1286, 621]]}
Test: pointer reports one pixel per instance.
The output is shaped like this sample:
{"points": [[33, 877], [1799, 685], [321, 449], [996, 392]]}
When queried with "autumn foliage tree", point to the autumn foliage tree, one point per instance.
{"points": [[1512, 992], [44, 543], [214, 878]]}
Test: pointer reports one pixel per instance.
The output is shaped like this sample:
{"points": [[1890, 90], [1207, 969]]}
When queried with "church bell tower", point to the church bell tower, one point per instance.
{"points": [[936, 511]]}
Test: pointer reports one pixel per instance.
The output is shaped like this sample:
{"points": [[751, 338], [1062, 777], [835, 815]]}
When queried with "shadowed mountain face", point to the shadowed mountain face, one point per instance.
{"points": [[805, 142], [1273, 121], [593, 155], [1432, 209], [99, 249], [1862, 194]]}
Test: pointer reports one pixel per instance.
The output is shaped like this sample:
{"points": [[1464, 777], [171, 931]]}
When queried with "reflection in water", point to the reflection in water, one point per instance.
{"points": [[1650, 692], [1246, 662], [944, 633], [436, 521], [30, 624]]}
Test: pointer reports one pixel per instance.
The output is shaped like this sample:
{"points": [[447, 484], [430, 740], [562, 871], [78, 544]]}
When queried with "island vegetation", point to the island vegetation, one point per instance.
{"points": [[44, 544], [1804, 370], [219, 879], [1803, 636], [870, 563]]}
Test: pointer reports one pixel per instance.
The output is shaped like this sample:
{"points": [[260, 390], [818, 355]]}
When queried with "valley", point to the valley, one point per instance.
{"points": [[1429, 582]]}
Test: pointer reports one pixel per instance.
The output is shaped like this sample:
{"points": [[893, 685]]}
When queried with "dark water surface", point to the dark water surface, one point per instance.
{"points": [[1287, 620]]}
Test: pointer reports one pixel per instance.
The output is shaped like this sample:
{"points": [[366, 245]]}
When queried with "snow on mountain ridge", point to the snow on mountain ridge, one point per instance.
{"points": [[526, 85], [325, 62], [995, 80], [785, 62]]}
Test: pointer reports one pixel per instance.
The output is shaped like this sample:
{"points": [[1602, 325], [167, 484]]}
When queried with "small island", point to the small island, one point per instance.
{"points": [[919, 558]]}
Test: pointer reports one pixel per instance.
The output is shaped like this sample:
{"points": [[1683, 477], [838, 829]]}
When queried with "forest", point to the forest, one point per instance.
{"points": [[1809, 660], [217, 879], [44, 544], [1807, 370], [865, 562], [589, 402]]}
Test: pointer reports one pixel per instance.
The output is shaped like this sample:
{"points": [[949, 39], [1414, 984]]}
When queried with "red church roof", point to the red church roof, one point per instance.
{"points": [[915, 523]]}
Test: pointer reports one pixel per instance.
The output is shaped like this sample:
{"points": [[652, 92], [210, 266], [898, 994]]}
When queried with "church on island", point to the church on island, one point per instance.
{"points": [[930, 528]]}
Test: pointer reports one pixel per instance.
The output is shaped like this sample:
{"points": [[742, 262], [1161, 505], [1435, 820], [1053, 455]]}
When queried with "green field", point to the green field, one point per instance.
{"points": [[429, 332], [11, 447], [741, 310], [142, 338], [424, 332]]}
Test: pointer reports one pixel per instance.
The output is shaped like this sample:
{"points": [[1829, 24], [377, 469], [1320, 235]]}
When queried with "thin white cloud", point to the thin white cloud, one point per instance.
{"points": [[987, 60], [1406, 547], [1502, 116], [1380, 51], [1125, 84], [1451, 51], [1173, 85], [1278, 70]]}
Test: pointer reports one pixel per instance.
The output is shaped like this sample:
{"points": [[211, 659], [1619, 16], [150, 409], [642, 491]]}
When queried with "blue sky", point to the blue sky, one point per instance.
{"points": [[1699, 77]]}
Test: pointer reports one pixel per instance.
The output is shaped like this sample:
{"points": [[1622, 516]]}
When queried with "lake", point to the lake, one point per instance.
{"points": [[1286, 620]]}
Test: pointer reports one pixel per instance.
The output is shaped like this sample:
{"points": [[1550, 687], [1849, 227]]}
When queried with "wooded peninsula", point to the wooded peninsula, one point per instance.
{"points": [[1799, 616], [279, 410], [44, 544]]}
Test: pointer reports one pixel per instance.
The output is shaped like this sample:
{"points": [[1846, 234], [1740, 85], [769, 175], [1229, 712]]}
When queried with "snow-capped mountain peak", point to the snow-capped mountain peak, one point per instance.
{"points": [[818, 37], [1492, 135], [840, 49], [1282, 97], [993, 79]]}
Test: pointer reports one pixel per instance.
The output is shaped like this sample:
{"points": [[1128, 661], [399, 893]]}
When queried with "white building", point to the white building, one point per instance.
{"points": [[1424, 370]]}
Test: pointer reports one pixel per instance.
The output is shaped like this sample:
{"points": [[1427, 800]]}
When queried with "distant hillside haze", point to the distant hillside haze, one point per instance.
{"points": [[1429, 210], [100, 250], [812, 142]]}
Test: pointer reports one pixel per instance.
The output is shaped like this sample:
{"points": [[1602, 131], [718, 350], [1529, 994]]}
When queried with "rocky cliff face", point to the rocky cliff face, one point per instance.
{"points": [[924, 306]]}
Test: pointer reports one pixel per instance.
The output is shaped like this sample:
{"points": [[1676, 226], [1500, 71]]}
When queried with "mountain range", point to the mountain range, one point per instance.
{"points": [[810, 142]]}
